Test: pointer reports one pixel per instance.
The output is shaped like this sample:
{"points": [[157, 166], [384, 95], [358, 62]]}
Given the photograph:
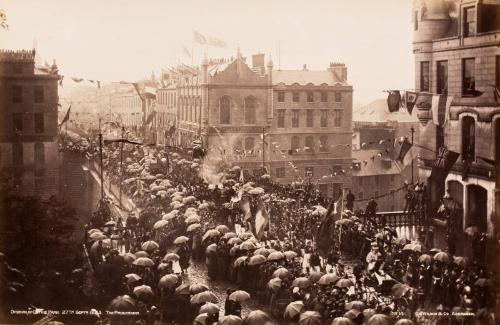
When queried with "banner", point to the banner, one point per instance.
{"points": [[405, 147], [443, 164], [261, 220], [410, 100], [440, 108], [394, 100], [66, 117], [199, 38]]}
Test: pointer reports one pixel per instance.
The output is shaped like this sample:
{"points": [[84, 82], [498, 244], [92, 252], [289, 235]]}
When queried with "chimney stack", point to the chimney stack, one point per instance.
{"points": [[339, 71]]}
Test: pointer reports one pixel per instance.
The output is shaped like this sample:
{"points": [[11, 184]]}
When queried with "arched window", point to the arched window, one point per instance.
{"points": [[39, 153], [309, 144], [323, 143], [225, 110], [249, 143], [238, 145], [468, 138], [295, 144], [249, 110]]}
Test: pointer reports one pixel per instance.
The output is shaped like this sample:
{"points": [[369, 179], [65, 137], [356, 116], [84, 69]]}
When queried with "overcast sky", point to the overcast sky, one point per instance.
{"points": [[125, 39]]}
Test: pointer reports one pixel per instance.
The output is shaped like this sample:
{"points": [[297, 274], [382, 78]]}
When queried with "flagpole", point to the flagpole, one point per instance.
{"points": [[121, 165], [101, 165], [413, 160]]}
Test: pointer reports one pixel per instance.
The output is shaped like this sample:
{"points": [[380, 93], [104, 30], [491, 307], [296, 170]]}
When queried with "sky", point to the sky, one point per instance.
{"points": [[114, 40]]}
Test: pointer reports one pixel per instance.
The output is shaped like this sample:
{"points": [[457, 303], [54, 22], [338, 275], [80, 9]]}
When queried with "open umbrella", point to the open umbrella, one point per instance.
{"points": [[211, 248], [310, 318], [257, 260], [94, 230], [210, 234], [234, 241], [222, 229], [239, 295], [425, 258], [197, 288], [163, 266], [229, 235], [110, 223], [171, 257], [290, 254], [275, 256], [356, 304], [209, 308], [274, 284], [245, 235], [328, 278], [168, 216], [160, 224], [203, 297], [141, 254], [461, 261], [168, 281], [240, 260], [129, 258], [293, 309], [257, 317], [230, 320], [301, 282], [404, 321], [192, 219], [97, 236], [200, 319], [344, 283], [193, 227], [262, 251], [369, 312], [144, 261], [315, 276], [234, 250], [150, 246], [343, 222], [132, 278], [401, 241], [442, 257], [379, 319], [281, 273], [144, 293], [247, 245], [399, 290], [181, 240], [122, 303], [256, 191], [183, 289], [342, 321]]}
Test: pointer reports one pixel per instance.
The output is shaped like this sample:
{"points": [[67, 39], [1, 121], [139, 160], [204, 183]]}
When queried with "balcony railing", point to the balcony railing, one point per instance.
{"points": [[475, 170]]}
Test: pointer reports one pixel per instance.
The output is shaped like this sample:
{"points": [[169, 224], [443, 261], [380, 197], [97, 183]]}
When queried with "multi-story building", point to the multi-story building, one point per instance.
{"points": [[457, 53], [166, 106], [28, 113], [295, 123]]}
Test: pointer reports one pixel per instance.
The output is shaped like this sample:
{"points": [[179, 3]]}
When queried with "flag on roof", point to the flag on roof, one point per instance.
{"points": [[212, 41], [77, 80], [66, 116], [199, 38]]}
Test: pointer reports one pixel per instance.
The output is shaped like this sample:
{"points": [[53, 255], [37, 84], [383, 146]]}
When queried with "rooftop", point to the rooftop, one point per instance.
{"points": [[375, 166], [377, 112], [305, 77]]}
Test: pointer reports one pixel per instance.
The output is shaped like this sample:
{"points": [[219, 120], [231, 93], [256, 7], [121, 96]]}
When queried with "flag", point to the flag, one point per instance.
{"points": [[66, 117], [324, 240], [77, 80], [150, 117], [3, 20], [405, 147], [61, 81], [261, 219], [443, 164], [440, 108], [185, 51], [393, 100], [199, 38], [212, 41], [410, 100], [466, 163], [245, 207]]}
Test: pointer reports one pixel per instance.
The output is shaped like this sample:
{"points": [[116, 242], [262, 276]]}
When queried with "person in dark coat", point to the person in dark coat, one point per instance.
{"points": [[184, 257], [350, 201]]}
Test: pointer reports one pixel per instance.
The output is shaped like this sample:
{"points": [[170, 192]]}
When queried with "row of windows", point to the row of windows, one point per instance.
{"points": [[323, 118], [365, 180], [249, 107], [18, 94], [309, 96], [18, 153], [468, 76], [166, 98], [38, 121], [280, 172]]}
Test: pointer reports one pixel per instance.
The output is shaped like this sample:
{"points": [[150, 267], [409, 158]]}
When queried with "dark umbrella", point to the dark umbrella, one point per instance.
{"points": [[482, 282], [168, 281], [122, 303], [183, 289], [144, 293], [230, 320], [399, 290], [293, 309], [310, 318], [328, 279], [442, 257], [257, 317]]}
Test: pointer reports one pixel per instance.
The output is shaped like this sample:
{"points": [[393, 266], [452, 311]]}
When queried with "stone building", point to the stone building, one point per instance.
{"points": [[457, 53], [28, 113]]}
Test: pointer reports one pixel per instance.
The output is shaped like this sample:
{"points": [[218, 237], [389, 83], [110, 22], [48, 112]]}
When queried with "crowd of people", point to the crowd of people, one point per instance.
{"points": [[368, 275]]}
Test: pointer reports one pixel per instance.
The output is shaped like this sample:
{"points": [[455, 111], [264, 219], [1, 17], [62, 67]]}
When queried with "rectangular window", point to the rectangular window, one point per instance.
{"points": [[295, 118], [324, 96], [296, 96], [442, 77], [17, 94], [424, 76], [39, 94], [468, 77], [281, 118], [337, 118], [469, 21], [338, 96], [497, 69], [39, 123], [310, 118], [309, 171], [324, 118], [415, 20], [280, 172], [310, 96], [281, 96], [17, 121]]}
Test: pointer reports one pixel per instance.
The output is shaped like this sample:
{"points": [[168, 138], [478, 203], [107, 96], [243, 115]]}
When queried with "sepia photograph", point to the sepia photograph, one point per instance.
{"points": [[250, 162]]}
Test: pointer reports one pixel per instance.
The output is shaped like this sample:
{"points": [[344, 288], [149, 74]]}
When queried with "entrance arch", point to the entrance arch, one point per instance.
{"points": [[477, 210], [456, 190]]}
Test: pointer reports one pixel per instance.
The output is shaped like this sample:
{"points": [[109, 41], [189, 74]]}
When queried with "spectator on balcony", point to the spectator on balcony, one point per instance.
{"points": [[371, 211], [350, 201], [410, 201]]}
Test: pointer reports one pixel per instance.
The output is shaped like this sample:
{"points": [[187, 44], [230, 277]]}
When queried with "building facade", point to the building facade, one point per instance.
{"points": [[28, 134], [457, 53]]}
